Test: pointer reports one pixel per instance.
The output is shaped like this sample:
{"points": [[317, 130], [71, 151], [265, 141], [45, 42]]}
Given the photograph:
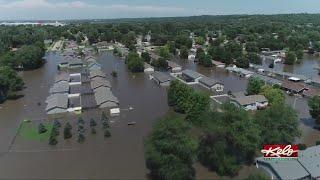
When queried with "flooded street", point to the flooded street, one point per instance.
{"points": [[118, 157]]}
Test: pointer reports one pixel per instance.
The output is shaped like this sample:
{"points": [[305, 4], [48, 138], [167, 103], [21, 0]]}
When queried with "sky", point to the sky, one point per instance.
{"points": [[109, 9]]}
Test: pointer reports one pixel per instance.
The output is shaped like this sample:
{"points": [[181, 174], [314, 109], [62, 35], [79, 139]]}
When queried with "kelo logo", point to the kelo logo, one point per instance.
{"points": [[280, 151]]}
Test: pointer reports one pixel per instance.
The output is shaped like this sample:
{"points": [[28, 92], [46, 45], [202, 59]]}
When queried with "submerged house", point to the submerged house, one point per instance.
{"points": [[57, 103], [296, 88], [94, 66], [105, 98], [191, 76], [60, 88], [161, 78], [211, 84], [148, 68], [100, 82], [253, 102], [174, 67]]}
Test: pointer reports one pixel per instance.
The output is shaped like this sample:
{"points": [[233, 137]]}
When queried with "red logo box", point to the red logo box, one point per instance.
{"points": [[280, 151]]}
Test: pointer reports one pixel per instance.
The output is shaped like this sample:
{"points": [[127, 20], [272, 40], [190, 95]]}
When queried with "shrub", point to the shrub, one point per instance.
{"points": [[41, 128]]}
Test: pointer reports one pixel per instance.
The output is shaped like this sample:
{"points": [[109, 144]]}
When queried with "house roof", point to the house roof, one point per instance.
{"points": [[104, 95], [311, 92], [62, 77], [97, 73], [60, 87], [146, 65], [94, 65], [57, 101], [191, 74], [246, 100], [217, 63], [297, 87], [285, 169], [100, 82], [161, 77], [310, 160], [308, 163], [208, 81], [173, 65]]}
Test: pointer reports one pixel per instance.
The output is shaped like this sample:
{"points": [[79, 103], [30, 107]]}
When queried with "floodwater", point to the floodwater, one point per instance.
{"points": [[118, 157], [306, 67]]}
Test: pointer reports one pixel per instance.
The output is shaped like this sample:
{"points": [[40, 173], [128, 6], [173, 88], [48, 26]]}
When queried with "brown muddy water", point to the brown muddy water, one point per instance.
{"points": [[118, 157]]}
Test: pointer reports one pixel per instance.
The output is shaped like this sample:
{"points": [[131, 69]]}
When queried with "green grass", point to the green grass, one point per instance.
{"points": [[29, 131]]}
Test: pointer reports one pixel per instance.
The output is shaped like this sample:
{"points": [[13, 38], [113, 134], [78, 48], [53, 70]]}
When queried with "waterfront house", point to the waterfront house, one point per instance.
{"points": [[211, 84], [57, 103], [252, 102], [75, 63], [161, 78], [191, 76], [148, 68], [296, 88], [174, 67], [191, 57], [240, 71], [306, 166], [105, 98], [90, 59]]}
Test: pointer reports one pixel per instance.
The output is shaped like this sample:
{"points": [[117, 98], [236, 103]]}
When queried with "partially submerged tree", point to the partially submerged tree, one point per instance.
{"points": [[42, 129], [314, 105]]}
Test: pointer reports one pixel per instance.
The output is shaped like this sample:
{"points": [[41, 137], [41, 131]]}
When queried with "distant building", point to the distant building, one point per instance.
{"points": [[211, 84], [161, 78], [253, 102], [191, 76], [307, 166]]}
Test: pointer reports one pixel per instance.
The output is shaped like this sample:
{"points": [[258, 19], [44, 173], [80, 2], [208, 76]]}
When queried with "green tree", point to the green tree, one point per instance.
{"points": [[274, 95], [200, 40], [254, 85], [314, 105], [41, 128], [242, 62], [135, 63], [184, 52], [254, 58], [279, 124], [164, 52], [160, 63], [146, 57], [170, 150], [291, 58]]}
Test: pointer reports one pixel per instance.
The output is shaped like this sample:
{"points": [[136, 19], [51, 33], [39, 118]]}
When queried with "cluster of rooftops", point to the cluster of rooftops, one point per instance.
{"points": [[84, 88]]}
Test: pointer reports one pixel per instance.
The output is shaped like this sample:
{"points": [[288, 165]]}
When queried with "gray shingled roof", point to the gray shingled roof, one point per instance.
{"points": [[173, 65], [60, 87], [307, 163], [105, 98], [97, 73], [310, 160], [100, 82], [208, 81], [285, 169], [57, 101], [246, 100], [191, 74], [62, 77], [161, 77]]}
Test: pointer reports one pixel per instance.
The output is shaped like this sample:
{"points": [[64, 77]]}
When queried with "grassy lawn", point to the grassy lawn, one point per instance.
{"points": [[29, 131]]}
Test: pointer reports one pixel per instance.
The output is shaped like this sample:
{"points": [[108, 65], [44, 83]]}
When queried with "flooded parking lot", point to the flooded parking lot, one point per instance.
{"points": [[118, 157]]}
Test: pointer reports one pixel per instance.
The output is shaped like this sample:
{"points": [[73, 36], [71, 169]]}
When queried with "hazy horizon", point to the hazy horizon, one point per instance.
{"points": [[111, 9]]}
